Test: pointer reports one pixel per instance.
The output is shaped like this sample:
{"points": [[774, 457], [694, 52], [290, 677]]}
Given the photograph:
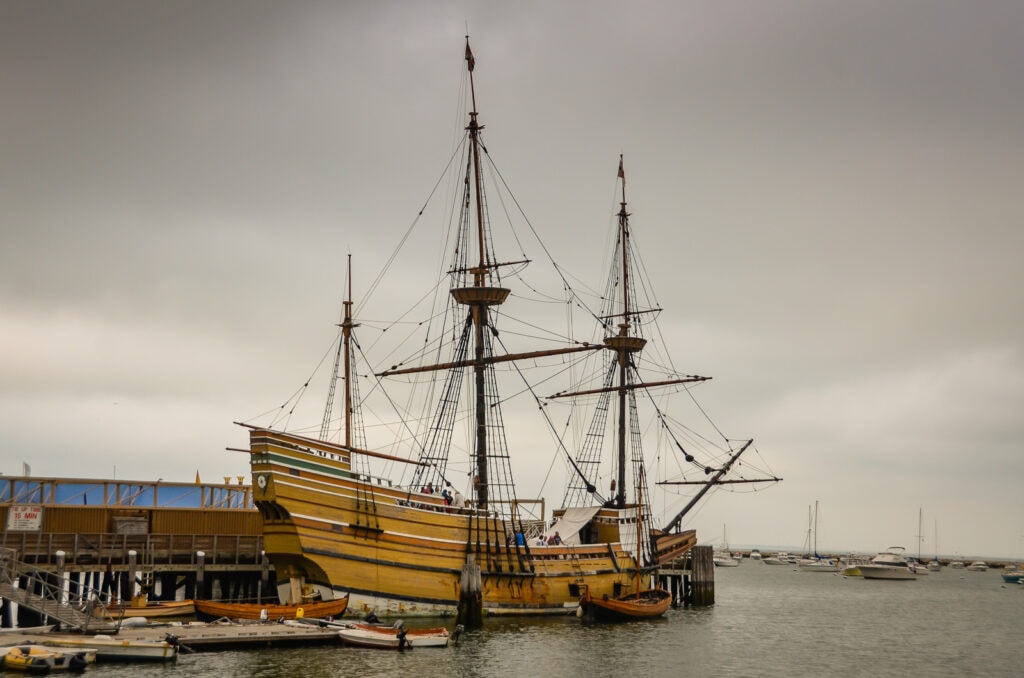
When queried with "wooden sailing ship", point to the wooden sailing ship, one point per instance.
{"points": [[391, 541]]}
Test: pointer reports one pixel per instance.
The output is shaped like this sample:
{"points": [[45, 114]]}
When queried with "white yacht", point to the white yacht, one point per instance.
{"points": [[978, 566], [889, 564]]}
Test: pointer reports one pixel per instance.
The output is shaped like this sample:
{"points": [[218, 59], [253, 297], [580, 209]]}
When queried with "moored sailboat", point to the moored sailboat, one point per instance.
{"points": [[407, 541], [818, 563]]}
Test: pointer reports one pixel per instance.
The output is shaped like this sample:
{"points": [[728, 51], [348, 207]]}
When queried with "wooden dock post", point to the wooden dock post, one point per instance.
{"points": [[702, 584], [471, 599], [200, 575]]}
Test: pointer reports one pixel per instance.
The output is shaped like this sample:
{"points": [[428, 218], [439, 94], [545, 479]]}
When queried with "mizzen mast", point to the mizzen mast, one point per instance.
{"points": [[624, 344], [345, 358], [346, 334]]}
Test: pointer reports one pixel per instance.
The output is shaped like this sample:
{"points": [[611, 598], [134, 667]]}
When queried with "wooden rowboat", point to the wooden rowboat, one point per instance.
{"points": [[315, 610], [158, 610], [646, 604]]}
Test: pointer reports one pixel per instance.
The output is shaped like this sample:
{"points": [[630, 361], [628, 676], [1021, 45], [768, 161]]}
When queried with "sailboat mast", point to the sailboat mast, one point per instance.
{"points": [[815, 528]]}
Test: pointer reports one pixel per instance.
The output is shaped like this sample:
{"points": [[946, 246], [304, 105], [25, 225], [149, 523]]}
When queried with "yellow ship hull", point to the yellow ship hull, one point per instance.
{"points": [[395, 551]]}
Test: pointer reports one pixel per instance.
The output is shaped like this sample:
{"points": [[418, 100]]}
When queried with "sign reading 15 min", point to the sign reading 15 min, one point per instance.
{"points": [[25, 518]]}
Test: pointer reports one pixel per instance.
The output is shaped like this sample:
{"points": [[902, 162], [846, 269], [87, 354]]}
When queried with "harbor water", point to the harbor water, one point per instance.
{"points": [[767, 621]]}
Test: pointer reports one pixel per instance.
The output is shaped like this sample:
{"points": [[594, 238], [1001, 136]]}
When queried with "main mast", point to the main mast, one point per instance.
{"points": [[478, 298]]}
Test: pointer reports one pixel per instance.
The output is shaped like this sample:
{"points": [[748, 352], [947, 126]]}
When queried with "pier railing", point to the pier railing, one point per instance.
{"points": [[87, 550]]}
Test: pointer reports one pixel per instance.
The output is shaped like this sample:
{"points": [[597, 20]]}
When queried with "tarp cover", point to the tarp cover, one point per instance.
{"points": [[572, 521]]}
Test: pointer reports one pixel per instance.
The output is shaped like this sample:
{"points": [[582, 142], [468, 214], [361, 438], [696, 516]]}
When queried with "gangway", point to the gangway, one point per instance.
{"points": [[26, 585]]}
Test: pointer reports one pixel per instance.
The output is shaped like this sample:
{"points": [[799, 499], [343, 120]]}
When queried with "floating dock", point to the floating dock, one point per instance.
{"points": [[213, 636]]}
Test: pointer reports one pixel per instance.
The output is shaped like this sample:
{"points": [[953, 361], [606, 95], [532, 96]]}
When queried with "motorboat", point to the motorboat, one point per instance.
{"points": [[818, 565], [1013, 575], [780, 558], [724, 559], [917, 566], [395, 637], [889, 564], [111, 648], [849, 566], [978, 566]]}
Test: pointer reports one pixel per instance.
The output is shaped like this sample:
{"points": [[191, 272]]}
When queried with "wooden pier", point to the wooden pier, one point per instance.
{"points": [[691, 578], [125, 538]]}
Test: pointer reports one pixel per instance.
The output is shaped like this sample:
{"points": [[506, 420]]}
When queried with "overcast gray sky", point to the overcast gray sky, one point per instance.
{"points": [[830, 193]]}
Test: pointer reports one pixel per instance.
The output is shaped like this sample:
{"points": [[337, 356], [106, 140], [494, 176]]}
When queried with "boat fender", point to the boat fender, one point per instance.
{"points": [[78, 662], [299, 612]]}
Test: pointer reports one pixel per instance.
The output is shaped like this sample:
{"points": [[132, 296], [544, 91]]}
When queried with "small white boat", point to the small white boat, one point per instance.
{"points": [[780, 558], [724, 559], [394, 637], [818, 565], [889, 564], [755, 554], [978, 566], [108, 648], [957, 565]]}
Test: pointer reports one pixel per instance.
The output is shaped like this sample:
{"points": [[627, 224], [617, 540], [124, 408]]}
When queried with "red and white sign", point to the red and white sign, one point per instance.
{"points": [[25, 518]]}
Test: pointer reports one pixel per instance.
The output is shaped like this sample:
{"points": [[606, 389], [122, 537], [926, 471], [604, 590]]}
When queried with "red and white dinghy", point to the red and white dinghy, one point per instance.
{"points": [[394, 637]]}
